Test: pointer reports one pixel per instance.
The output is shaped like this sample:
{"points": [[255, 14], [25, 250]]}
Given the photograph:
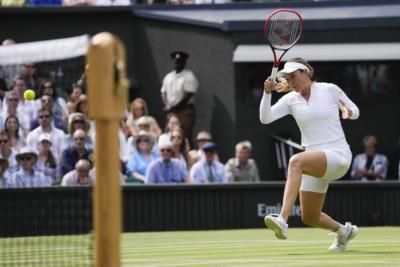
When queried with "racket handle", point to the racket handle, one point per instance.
{"points": [[274, 72]]}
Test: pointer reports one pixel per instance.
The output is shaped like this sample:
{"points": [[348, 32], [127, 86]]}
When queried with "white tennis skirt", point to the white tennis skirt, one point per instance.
{"points": [[338, 156]]}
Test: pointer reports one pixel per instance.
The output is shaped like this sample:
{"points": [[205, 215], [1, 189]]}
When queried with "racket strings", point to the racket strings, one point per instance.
{"points": [[284, 31]]}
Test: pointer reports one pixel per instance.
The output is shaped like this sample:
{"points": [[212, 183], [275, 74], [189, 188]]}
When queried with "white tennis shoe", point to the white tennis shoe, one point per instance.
{"points": [[341, 240], [276, 223]]}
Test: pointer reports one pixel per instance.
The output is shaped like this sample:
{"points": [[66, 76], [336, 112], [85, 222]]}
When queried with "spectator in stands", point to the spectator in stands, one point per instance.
{"points": [[78, 121], [208, 170], [201, 2], [47, 102], [26, 107], [80, 175], [166, 169], [58, 104], [45, 126], [196, 154], [76, 92], [46, 162], [11, 108], [72, 154], [8, 153], [140, 160], [180, 146], [82, 107], [31, 77], [172, 123], [15, 133], [45, 2], [27, 176], [178, 89], [4, 180], [369, 165], [139, 109], [242, 168]]}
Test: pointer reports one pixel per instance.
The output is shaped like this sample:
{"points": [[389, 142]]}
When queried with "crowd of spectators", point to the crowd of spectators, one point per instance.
{"points": [[50, 141], [20, 3]]}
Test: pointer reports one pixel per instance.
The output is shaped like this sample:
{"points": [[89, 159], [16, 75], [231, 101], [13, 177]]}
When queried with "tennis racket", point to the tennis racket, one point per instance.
{"points": [[282, 30]]}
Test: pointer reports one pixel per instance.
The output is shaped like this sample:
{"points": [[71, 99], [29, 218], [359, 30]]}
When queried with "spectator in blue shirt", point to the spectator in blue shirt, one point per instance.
{"points": [[142, 157], [208, 169], [71, 155], [166, 169]]}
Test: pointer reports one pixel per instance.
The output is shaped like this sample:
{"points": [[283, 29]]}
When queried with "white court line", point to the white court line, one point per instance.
{"points": [[264, 260], [178, 245]]}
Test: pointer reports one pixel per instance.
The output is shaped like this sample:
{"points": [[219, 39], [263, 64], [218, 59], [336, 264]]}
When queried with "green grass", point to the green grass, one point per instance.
{"points": [[305, 247], [378, 246]]}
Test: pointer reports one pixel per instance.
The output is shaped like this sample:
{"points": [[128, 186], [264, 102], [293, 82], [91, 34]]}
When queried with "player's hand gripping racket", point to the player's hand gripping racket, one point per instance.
{"points": [[282, 30]]}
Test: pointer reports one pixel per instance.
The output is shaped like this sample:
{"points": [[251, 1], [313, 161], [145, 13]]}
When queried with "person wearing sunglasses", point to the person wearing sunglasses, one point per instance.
{"points": [[45, 126], [27, 176], [141, 158], [166, 169], [208, 169]]}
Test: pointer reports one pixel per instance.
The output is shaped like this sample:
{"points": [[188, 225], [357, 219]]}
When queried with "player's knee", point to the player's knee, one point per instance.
{"points": [[310, 219], [295, 162]]}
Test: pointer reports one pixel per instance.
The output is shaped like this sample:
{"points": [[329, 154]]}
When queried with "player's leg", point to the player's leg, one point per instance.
{"points": [[309, 162], [313, 163], [312, 198], [311, 211]]}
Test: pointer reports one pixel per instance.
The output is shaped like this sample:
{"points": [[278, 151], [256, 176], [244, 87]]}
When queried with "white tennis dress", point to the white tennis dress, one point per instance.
{"points": [[320, 127]]}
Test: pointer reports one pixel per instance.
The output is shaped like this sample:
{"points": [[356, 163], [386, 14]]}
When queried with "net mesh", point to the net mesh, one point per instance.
{"points": [[62, 61], [46, 226], [283, 29]]}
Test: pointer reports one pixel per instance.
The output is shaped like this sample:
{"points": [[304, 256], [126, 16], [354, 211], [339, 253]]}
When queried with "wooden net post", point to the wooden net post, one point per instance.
{"points": [[107, 90]]}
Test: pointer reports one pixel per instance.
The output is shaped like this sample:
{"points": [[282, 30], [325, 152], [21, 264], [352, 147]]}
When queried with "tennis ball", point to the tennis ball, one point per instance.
{"points": [[29, 94]]}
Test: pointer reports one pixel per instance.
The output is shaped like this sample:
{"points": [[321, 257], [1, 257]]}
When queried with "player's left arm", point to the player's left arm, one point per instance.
{"points": [[347, 107]]}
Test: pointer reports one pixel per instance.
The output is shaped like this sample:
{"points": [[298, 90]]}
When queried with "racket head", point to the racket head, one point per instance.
{"points": [[283, 28]]}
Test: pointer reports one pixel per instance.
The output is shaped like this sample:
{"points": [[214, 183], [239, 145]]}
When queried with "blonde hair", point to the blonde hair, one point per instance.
{"points": [[369, 140], [142, 102]]}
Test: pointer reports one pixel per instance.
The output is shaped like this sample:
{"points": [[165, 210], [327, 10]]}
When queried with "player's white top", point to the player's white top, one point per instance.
{"points": [[318, 118]]}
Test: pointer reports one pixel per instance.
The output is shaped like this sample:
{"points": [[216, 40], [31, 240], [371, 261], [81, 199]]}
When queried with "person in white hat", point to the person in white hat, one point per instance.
{"points": [[315, 107], [27, 176], [140, 160], [47, 163]]}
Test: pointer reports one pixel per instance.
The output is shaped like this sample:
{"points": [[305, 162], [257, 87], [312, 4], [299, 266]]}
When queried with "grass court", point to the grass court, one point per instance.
{"points": [[374, 246]]}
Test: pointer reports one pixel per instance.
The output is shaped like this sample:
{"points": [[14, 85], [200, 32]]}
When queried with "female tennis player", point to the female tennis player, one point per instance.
{"points": [[327, 156]]}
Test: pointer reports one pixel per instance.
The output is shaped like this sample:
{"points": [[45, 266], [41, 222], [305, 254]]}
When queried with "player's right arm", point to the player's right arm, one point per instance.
{"points": [[269, 114]]}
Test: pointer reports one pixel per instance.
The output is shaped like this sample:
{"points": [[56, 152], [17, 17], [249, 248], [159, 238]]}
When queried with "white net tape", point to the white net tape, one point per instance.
{"points": [[42, 51]]}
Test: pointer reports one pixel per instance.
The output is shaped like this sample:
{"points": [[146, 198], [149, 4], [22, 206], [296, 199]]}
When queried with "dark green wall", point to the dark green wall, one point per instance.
{"points": [[210, 59]]}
